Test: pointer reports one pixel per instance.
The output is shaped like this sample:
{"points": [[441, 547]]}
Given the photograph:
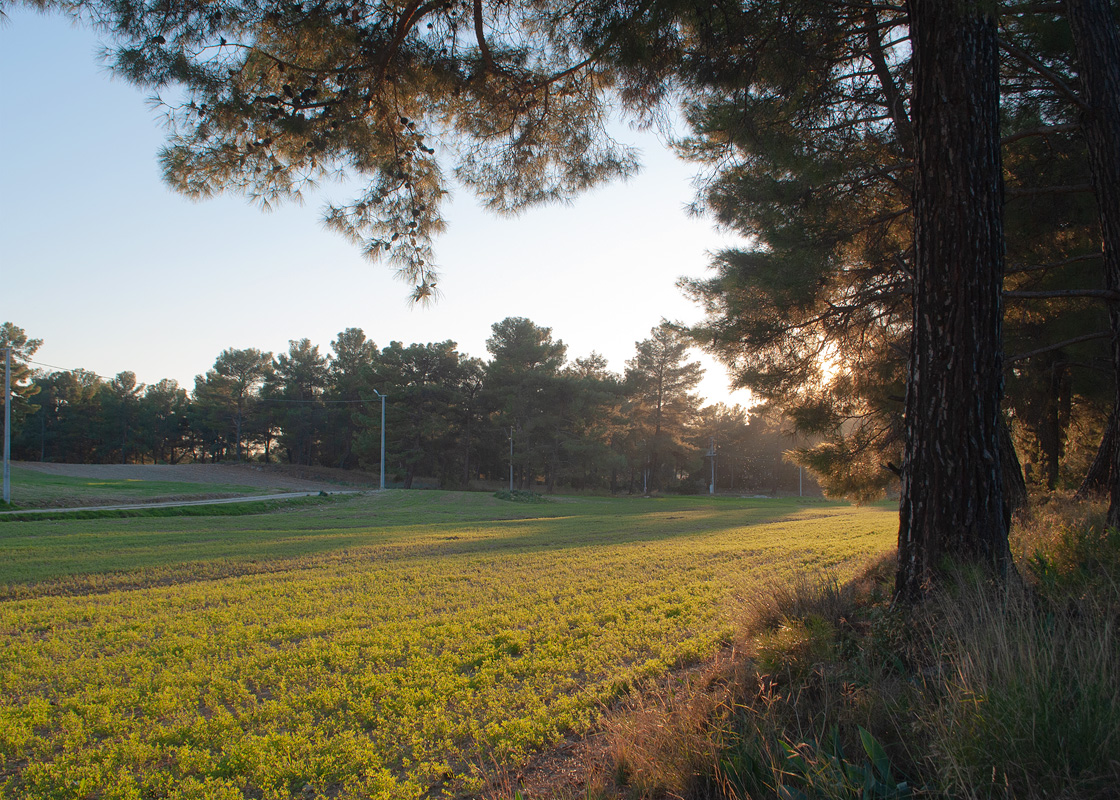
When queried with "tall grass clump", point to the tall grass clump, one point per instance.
{"points": [[833, 691], [1027, 703], [1069, 554]]}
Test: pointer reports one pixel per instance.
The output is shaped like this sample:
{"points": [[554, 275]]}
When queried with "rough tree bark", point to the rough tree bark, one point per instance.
{"points": [[952, 492], [1014, 486], [1097, 479], [1097, 42]]}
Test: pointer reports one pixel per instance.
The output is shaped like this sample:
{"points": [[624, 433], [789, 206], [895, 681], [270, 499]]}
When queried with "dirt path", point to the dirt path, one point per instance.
{"points": [[174, 503], [260, 476]]}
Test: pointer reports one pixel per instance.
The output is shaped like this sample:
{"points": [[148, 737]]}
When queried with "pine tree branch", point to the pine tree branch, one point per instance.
{"points": [[480, 37], [1111, 295], [1043, 70], [860, 6], [903, 129], [1054, 265], [1043, 191], [556, 76], [1089, 337], [1045, 130], [412, 14]]}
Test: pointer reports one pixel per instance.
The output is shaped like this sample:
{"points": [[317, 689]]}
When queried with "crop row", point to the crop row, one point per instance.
{"points": [[386, 674]]}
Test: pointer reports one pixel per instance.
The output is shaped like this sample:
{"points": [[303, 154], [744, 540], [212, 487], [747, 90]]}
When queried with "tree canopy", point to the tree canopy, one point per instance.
{"points": [[15, 338], [506, 98]]}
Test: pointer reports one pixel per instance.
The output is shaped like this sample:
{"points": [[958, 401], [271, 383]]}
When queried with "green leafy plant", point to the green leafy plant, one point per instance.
{"points": [[824, 771]]}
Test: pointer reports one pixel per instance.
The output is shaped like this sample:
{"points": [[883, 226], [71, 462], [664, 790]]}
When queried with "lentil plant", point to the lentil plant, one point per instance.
{"points": [[388, 646]]}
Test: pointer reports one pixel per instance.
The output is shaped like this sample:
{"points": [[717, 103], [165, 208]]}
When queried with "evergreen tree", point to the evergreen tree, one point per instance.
{"points": [[296, 388], [352, 362], [163, 421], [522, 381], [230, 391], [593, 422], [659, 383], [952, 488], [828, 152], [23, 385], [806, 125], [70, 406], [1057, 363], [816, 317], [1097, 39], [209, 418], [120, 416], [423, 388], [472, 374]]}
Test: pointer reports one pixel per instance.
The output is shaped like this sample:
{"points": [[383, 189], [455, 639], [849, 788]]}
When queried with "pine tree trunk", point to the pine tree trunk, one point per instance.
{"points": [[1052, 430], [1014, 487], [952, 487], [1097, 479], [1097, 41]]}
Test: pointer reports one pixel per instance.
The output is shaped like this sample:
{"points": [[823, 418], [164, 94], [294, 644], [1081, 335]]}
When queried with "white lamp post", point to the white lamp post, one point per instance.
{"points": [[7, 425], [382, 436], [712, 455]]}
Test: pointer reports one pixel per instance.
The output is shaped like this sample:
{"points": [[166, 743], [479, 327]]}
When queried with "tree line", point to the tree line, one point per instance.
{"points": [[451, 419]]}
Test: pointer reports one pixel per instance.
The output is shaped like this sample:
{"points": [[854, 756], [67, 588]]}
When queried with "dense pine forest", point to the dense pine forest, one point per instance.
{"points": [[451, 420]]}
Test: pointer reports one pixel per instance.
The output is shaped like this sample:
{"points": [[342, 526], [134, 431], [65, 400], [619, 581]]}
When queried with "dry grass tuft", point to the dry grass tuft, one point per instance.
{"points": [[667, 741]]}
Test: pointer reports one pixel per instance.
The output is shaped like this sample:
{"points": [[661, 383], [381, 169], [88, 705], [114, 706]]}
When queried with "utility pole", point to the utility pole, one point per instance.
{"points": [[511, 458], [382, 436], [8, 425], [712, 455]]}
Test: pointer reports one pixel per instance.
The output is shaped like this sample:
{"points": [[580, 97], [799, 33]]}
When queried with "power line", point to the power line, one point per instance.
{"points": [[67, 369], [322, 402]]}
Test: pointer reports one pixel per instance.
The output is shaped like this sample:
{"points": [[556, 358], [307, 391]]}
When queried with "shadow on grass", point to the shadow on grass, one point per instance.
{"points": [[74, 557]]}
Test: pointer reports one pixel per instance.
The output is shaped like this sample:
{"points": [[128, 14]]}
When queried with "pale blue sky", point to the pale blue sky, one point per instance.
{"points": [[116, 272]]}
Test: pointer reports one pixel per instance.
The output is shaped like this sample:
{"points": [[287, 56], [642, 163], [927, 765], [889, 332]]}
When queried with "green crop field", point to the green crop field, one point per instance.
{"points": [[41, 490], [393, 645]]}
